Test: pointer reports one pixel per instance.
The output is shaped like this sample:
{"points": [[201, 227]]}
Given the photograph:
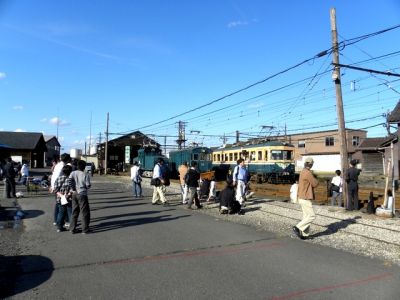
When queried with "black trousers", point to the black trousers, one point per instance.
{"points": [[80, 204], [352, 196], [10, 187]]}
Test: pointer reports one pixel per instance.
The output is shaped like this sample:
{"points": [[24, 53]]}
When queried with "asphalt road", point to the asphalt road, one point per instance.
{"points": [[143, 251]]}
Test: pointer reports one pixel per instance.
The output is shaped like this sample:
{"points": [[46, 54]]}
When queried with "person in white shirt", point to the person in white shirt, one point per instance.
{"points": [[159, 188], [24, 173], [336, 188], [136, 180]]}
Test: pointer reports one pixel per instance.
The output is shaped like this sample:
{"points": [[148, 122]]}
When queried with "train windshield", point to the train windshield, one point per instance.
{"points": [[201, 156], [281, 155]]}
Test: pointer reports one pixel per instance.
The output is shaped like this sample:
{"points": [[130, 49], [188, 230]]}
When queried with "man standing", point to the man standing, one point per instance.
{"points": [[352, 185], [136, 179], [80, 183], [307, 184], [24, 173], [240, 179], [159, 188], [192, 181], [9, 174], [182, 170]]}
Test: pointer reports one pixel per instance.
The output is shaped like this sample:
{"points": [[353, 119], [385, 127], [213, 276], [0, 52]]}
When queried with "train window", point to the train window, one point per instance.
{"points": [[218, 157], [259, 155], [235, 156], [276, 155], [230, 156], [204, 156], [195, 156], [301, 144], [266, 155], [253, 155], [226, 157], [287, 155]]}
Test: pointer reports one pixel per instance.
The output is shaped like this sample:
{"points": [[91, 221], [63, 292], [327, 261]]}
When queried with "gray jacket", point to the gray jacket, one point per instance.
{"points": [[80, 182]]}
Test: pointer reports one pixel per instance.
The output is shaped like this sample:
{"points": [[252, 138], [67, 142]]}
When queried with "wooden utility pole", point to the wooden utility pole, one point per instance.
{"points": [[339, 104], [106, 150]]}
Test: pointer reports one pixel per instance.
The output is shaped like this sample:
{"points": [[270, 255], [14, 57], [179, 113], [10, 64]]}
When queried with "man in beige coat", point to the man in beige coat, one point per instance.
{"points": [[307, 184]]}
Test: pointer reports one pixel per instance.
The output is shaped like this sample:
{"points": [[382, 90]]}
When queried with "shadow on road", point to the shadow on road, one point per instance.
{"points": [[32, 213], [93, 207], [335, 227], [40, 270], [112, 225], [124, 215]]}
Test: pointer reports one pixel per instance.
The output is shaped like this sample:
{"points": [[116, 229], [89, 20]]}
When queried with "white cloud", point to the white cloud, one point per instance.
{"points": [[19, 130], [58, 121], [2, 75], [43, 120], [234, 24], [18, 107]]}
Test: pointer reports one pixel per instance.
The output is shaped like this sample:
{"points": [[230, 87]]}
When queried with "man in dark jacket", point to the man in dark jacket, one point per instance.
{"points": [[9, 174], [192, 181], [228, 203], [352, 186]]}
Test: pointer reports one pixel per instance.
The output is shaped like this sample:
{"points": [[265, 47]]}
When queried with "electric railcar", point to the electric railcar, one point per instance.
{"points": [[201, 155], [147, 157], [271, 161]]}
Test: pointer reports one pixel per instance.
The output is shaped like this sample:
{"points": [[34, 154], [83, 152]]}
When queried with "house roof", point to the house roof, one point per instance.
{"points": [[22, 140], [372, 143], [394, 116], [48, 138], [134, 138]]}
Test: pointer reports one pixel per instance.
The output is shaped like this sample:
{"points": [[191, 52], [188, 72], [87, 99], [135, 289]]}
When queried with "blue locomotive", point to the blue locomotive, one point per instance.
{"points": [[147, 157], [201, 155]]}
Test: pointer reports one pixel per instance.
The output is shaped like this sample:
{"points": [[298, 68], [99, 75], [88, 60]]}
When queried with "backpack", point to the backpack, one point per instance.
{"points": [[166, 176], [186, 178]]}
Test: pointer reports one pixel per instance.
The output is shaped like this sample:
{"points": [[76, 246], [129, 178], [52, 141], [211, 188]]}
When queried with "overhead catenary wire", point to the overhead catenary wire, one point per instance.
{"points": [[323, 53]]}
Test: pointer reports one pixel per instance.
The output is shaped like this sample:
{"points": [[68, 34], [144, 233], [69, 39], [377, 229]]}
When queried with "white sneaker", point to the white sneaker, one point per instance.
{"points": [[54, 223], [249, 195]]}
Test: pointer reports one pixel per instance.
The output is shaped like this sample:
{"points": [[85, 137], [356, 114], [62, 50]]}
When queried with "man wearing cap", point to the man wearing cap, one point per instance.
{"points": [[307, 184], [352, 186]]}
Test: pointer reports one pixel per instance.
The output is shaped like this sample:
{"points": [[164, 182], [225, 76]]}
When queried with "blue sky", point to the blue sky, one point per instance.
{"points": [[71, 62]]}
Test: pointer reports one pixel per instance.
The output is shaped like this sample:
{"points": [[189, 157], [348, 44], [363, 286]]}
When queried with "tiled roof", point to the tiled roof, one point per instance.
{"points": [[372, 143], [21, 140], [394, 116]]}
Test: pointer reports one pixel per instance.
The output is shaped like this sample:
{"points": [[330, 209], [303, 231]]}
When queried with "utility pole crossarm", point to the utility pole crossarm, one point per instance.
{"points": [[366, 70]]}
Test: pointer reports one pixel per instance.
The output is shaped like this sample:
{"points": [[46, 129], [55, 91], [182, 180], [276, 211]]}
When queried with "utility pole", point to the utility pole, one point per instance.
{"points": [[339, 104], [181, 135], [237, 136], [106, 150]]}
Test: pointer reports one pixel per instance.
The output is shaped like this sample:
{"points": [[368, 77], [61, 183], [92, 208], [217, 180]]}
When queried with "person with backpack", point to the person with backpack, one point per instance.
{"points": [[240, 179], [192, 181]]}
